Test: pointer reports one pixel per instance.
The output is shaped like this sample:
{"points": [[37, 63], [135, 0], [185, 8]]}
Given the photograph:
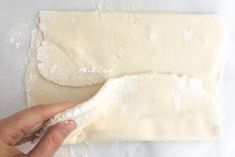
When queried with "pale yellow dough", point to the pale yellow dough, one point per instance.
{"points": [[147, 107], [86, 48], [42, 91], [173, 64]]}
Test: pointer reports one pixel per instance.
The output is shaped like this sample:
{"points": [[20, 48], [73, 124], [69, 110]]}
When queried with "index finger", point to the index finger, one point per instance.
{"points": [[29, 120]]}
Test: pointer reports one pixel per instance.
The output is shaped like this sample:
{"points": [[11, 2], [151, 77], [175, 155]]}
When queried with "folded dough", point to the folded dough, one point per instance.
{"points": [[146, 107], [175, 58]]}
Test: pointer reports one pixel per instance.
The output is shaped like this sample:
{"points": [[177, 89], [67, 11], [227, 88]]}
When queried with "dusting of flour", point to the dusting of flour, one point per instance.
{"points": [[94, 70], [18, 35]]}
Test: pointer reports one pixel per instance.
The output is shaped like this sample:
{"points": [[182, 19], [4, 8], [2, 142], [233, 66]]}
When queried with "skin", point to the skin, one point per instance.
{"points": [[21, 127]]}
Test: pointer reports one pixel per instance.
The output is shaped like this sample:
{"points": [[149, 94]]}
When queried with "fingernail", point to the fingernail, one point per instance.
{"points": [[70, 125]]}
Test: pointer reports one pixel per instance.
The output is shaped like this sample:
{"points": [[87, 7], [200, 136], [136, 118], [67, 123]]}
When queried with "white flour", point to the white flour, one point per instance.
{"points": [[185, 88], [188, 35], [93, 70], [17, 35]]}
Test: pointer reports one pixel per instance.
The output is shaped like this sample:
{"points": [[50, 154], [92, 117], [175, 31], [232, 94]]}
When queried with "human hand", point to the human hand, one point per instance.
{"points": [[22, 126]]}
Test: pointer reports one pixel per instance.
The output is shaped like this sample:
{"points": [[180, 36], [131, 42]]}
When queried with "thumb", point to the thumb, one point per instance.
{"points": [[51, 142]]}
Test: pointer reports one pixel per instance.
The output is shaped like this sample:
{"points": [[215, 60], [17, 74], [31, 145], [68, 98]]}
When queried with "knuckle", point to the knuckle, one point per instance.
{"points": [[13, 135]]}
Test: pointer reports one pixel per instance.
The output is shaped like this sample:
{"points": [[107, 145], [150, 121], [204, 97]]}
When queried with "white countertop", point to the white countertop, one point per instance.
{"points": [[17, 19]]}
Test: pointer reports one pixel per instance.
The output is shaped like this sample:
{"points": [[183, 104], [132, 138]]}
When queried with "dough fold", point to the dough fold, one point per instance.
{"points": [[140, 76], [146, 107]]}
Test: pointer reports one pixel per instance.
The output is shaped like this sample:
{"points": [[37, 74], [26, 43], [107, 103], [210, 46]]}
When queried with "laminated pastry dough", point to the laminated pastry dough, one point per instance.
{"points": [[172, 65], [146, 107], [86, 48]]}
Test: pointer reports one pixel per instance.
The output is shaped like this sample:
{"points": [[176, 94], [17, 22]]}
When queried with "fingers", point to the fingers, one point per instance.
{"points": [[29, 120], [9, 151], [50, 143]]}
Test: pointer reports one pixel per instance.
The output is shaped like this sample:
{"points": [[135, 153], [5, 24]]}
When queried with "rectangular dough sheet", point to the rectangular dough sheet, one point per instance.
{"points": [[73, 53], [86, 48]]}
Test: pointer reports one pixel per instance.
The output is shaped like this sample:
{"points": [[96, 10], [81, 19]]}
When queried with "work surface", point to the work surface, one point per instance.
{"points": [[17, 19]]}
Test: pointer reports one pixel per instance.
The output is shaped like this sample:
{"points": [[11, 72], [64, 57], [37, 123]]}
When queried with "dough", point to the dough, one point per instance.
{"points": [[86, 48], [147, 107], [173, 64], [42, 91]]}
